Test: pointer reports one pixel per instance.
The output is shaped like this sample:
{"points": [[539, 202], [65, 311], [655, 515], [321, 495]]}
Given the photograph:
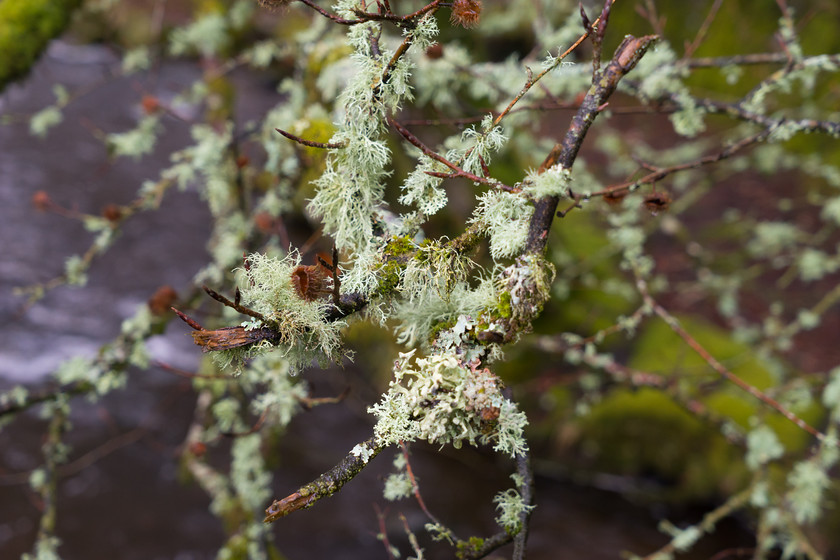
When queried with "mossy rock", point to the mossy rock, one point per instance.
{"points": [[26, 27], [647, 432]]}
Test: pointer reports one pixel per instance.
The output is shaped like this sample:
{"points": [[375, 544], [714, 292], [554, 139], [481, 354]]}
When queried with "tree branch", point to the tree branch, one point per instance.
{"points": [[325, 485], [624, 60]]}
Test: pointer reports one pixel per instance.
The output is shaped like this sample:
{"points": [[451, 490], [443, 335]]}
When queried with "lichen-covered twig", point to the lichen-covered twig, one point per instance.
{"points": [[327, 484]]}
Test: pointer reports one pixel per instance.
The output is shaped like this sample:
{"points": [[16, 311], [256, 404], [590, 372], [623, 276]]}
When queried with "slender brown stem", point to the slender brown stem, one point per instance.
{"points": [[310, 143], [675, 326], [456, 170], [660, 173]]}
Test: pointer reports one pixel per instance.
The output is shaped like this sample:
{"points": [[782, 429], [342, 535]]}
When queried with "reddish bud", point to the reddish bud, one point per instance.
{"points": [[265, 222], [435, 51], [242, 161], [198, 448], [312, 281], [657, 202], [150, 104], [112, 213], [614, 198], [41, 201]]}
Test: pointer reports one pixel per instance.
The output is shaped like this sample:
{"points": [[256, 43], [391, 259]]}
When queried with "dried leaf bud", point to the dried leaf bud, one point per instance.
{"points": [[163, 298], [311, 282], [265, 222], [466, 13], [657, 202], [198, 448], [614, 198]]}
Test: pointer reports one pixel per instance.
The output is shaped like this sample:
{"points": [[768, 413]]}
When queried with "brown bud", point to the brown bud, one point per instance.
{"points": [[311, 281], [112, 213], [614, 198], [265, 222], [466, 13], [198, 448], [435, 51], [657, 202], [163, 298]]}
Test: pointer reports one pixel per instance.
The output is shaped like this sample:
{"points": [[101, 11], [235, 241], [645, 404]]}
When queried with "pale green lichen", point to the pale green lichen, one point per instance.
{"points": [[138, 142], [277, 394], [763, 446], [511, 507], [207, 35], [505, 218], [437, 266], [398, 484], [41, 122], [363, 452], [423, 190], [555, 181], [250, 479], [136, 60], [831, 393], [443, 401], [418, 316]]}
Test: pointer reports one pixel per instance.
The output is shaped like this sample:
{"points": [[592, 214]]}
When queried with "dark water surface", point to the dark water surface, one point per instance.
{"points": [[120, 496]]}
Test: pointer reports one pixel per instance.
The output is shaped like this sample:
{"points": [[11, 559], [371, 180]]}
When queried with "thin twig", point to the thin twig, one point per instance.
{"points": [[456, 171], [675, 326], [704, 29], [310, 143], [662, 172]]}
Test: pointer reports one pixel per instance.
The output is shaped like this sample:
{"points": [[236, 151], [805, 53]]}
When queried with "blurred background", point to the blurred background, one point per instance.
{"points": [[605, 479]]}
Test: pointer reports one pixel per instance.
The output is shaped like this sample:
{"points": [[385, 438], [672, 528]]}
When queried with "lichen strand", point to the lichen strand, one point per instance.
{"points": [[443, 400]]}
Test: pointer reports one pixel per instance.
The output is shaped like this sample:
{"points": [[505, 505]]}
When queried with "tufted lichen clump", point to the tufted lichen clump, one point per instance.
{"points": [[266, 287], [442, 400]]}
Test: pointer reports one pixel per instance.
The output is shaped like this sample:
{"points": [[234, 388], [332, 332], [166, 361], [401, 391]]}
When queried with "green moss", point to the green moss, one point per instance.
{"points": [[441, 326], [26, 27], [400, 246], [469, 548], [505, 308], [389, 277], [645, 432]]}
